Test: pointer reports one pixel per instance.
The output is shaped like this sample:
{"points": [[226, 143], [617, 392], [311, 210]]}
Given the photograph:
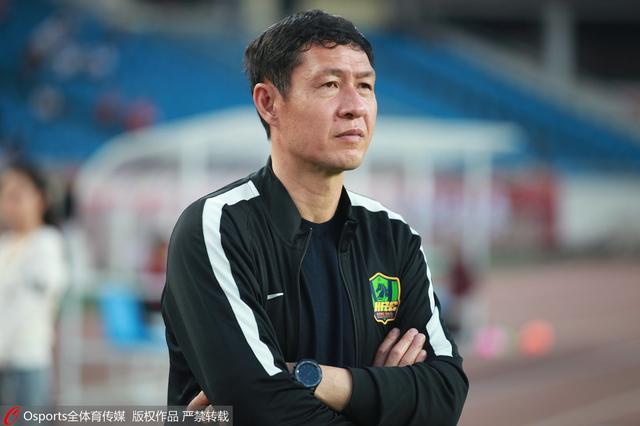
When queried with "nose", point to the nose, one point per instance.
{"points": [[352, 104]]}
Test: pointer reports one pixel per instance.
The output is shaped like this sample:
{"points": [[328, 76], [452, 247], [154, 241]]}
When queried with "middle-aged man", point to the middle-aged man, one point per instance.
{"points": [[290, 298]]}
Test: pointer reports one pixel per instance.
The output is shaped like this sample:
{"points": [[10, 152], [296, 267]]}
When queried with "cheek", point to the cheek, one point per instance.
{"points": [[299, 116], [24, 204], [33, 204], [308, 121], [9, 210], [315, 122], [373, 111]]}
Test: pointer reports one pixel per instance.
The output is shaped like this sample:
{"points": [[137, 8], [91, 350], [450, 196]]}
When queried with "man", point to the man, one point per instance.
{"points": [[290, 298]]}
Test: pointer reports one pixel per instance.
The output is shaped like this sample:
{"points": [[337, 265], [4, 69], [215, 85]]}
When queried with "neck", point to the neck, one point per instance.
{"points": [[315, 192]]}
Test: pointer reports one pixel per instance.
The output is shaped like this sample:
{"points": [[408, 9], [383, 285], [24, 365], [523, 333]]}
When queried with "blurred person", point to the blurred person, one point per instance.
{"points": [[153, 272], [32, 278], [462, 285], [290, 298]]}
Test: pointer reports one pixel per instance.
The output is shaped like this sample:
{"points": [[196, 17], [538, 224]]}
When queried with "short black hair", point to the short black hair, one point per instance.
{"points": [[276, 52]]}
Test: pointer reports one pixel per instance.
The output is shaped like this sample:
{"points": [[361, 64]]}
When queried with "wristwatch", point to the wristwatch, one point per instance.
{"points": [[308, 373]]}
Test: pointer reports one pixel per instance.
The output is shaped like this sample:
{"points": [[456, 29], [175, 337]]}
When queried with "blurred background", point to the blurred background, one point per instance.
{"points": [[508, 136]]}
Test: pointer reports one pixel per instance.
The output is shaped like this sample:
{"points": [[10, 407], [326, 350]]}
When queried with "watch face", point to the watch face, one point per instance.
{"points": [[308, 374]]}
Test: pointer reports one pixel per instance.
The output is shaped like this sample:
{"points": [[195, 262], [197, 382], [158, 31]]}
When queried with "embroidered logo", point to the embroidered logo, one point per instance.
{"points": [[385, 296]]}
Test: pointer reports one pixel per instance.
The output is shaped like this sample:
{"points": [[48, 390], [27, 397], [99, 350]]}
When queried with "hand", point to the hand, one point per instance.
{"points": [[200, 402], [406, 351]]}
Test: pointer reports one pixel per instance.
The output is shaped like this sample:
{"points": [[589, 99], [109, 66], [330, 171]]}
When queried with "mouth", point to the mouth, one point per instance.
{"points": [[352, 134]]}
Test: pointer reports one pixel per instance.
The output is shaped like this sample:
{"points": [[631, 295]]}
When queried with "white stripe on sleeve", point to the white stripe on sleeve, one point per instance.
{"points": [[211, 215], [439, 342]]}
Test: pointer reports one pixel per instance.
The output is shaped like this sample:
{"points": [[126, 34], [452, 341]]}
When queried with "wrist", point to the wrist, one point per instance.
{"points": [[290, 367], [308, 373], [335, 387]]}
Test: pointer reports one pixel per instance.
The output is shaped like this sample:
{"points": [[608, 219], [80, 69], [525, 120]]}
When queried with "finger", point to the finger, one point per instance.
{"points": [[200, 401], [414, 349], [385, 347], [397, 352], [422, 356]]}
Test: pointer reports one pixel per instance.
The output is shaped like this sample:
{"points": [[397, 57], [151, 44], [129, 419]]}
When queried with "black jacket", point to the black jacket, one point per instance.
{"points": [[231, 306]]}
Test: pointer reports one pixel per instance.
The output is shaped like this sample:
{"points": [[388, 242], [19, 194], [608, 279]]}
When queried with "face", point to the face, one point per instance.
{"points": [[21, 204], [327, 119]]}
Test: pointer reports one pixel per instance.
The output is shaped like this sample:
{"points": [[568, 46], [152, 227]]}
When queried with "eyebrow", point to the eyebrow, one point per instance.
{"points": [[340, 72]]}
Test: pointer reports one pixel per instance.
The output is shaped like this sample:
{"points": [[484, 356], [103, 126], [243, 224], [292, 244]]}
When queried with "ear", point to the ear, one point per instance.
{"points": [[265, 98]]}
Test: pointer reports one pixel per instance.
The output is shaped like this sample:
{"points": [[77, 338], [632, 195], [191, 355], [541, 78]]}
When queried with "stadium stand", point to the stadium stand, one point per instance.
{"points": [[149, 78]]}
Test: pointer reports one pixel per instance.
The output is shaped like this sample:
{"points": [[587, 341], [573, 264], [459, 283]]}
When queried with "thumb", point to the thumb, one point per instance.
{"points": [[200, 401]]}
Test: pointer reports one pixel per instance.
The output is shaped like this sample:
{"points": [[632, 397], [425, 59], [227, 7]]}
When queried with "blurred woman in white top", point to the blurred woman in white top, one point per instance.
{"points": [[32, 280]]}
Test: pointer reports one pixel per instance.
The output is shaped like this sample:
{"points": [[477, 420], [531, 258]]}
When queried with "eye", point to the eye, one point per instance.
{"points": [[331, 84], [366, 86]]}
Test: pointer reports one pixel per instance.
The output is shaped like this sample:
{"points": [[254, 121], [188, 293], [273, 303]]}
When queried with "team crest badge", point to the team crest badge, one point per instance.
{"points": [[385, 295]]}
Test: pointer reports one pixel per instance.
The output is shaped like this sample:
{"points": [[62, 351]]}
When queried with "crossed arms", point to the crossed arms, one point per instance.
{"points": [[335, 388]]}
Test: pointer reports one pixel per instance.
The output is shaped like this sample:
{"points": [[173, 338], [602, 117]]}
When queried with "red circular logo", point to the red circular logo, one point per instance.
{"points": [[12, 415]]}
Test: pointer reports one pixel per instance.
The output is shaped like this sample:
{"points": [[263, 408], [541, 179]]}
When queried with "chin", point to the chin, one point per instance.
{"points": [[342, 163], [345, 166], [352, 162], [352, 166]]}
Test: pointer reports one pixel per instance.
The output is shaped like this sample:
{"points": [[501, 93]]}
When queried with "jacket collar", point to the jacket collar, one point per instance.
{"points": [[282, 210]]}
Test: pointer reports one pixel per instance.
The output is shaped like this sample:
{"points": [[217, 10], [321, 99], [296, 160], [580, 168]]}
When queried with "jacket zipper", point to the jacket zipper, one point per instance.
{"points": [[350, 298]]}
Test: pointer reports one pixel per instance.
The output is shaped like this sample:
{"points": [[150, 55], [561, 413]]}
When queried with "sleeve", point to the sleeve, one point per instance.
{"points": [[47, 272], [43, 277], [214, 307], [432, 392]]}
